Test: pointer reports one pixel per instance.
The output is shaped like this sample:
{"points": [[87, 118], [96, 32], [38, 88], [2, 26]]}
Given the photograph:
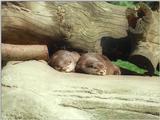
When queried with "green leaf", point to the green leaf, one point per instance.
{"points": [[129, 66]]}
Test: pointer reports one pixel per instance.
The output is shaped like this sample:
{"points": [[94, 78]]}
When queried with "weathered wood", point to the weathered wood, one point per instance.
{"points": [[145, 29], [33, 90], [24, 52], [82, 24]]}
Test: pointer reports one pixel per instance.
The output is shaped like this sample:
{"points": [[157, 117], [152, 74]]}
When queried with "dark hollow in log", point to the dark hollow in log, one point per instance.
{"points": [[116, 48], [144, 27]]}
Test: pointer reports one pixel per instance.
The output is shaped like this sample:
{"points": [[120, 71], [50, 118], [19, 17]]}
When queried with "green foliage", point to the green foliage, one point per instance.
{"points": [[132, 67], [129, 66]]}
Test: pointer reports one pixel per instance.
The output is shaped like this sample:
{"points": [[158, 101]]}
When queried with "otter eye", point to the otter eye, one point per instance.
{"points": [[90, 65]]}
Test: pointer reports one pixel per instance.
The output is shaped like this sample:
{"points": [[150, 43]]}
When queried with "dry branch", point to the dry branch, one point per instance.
{"points": [[24, 52]]}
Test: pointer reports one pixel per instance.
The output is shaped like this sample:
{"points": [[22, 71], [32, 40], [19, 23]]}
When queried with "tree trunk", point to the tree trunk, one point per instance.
{"points": [[82, 24], [146, 32]]}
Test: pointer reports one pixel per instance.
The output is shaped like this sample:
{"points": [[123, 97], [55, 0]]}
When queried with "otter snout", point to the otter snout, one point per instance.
{"points": [[101, 72], [67, 68]]}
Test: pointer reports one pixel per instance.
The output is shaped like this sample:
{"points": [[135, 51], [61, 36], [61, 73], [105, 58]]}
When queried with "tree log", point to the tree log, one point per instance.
{"points": [[145, 28], [24, 52], [81, 24], [78, 25]]}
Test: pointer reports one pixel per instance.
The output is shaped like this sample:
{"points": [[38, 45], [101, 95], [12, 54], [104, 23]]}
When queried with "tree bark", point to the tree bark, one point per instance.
{"points": [[145, 29], [24, 52], [82, 24]]}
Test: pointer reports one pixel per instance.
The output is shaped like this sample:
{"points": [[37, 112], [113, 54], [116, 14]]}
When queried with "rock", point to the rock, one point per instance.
{"points": [[32, 90]]}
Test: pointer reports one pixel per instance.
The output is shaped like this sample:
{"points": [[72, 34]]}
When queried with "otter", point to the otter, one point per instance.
{"points": [[64, 60], [93, 63]]}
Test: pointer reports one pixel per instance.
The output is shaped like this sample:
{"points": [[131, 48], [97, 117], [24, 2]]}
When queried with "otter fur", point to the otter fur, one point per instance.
{"points": [[93, 63], [64, 60]]}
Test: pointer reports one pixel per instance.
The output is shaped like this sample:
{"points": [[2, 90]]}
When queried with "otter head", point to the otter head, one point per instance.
{"points": [[97, 68], [65, 65], [64, 61]]}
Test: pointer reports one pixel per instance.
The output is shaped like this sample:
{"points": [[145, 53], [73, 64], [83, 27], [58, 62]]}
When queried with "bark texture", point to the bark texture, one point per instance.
{"points": [[24, 52], [145, 28], [82, 24]]}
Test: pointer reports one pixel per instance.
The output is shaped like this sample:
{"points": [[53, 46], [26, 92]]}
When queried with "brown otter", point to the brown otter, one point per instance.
{"points": [[93, 63], [64, 60]]}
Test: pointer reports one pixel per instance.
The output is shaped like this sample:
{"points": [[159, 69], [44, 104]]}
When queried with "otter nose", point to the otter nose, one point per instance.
{"points": [[66, 69], [102, 73]]}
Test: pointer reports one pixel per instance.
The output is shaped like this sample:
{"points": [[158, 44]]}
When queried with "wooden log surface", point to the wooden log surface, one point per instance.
{"points": [[148, 45], [33, 90], [24, 52], [82, 24], [79, 25]]}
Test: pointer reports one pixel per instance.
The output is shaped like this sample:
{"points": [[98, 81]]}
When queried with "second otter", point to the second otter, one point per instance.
{"points": [[93, 63]]}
